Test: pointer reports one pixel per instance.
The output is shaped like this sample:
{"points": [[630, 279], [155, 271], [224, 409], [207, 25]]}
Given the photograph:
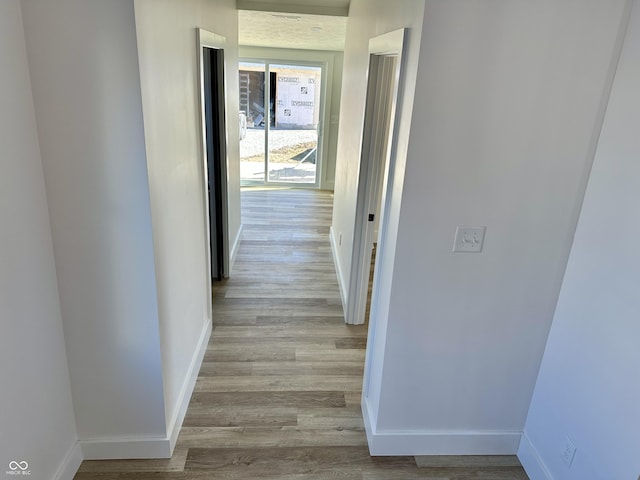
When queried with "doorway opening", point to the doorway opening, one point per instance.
{"points": [[282, 108], [375, 178], [214, 154], [377, 190], [215, 128]]}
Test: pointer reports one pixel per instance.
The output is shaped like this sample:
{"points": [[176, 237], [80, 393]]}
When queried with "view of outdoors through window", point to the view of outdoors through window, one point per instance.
{"points": [[292, 119]]}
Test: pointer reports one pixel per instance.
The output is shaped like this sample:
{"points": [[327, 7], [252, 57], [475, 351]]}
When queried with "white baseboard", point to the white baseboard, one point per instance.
{"points": [[383, 443], [175, 424], [125, 448], [531, 461], [339, 271], [70, 463], [234, 248], [367, 417]]}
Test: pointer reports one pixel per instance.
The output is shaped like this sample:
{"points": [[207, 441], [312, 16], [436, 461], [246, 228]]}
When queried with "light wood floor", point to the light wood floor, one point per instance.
{"points": [[278, 394]]}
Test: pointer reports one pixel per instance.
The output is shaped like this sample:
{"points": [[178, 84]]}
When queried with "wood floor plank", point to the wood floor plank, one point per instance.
{"points": [[328, 355], [337, 420], [277, 461], [241, 417], [212, 475], [302, 320], [382, 472], [288, 330], [307, 340], [160, 475], [210, 369], [300, 383], [320, 292], [332, 307], [239, 353], [351, 342], [256, 437], [307, 368], [265, 304], [352, 399], [328, 399], [472, 461]]}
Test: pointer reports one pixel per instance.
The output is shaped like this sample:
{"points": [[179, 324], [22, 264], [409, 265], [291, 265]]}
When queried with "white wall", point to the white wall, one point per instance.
{"points": [[509, 102], [588, 386], [84, 70], [332, 102], [36, 416], [166, 31]]}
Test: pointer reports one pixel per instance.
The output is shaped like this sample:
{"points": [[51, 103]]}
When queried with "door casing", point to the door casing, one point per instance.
{"points": [[377, 158], [210, 40]]}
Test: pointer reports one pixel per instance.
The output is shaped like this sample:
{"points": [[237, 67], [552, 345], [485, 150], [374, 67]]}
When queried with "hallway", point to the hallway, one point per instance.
{"points": [[281, 360], [278, 395]]}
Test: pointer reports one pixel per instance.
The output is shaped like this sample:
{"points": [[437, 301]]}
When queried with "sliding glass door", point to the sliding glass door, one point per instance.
{"points": [[281, 105], [252, 122]]}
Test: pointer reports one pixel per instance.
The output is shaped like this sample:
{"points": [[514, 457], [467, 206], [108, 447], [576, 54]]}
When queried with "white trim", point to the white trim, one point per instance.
{"points": [[235, 247], [70, 463], [389, 44], [367, 417], [120, 448], [209, 39], [187, 387], [532, 461], [438, 442], [339, 270]]}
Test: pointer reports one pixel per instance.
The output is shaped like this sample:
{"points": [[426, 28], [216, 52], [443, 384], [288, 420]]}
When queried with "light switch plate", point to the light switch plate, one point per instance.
{"points": [[469, 239]]}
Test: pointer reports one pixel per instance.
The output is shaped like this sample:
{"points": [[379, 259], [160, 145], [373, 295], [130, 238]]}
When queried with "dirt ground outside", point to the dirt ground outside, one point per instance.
{"points": [[292, 156]]}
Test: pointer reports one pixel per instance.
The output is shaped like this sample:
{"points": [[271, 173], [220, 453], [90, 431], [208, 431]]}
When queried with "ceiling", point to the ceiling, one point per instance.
{"points": [[316, 7], [292, 30]]}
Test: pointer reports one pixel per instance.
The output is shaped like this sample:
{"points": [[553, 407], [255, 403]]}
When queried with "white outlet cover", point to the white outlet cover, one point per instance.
{"points": [[469, 239]]}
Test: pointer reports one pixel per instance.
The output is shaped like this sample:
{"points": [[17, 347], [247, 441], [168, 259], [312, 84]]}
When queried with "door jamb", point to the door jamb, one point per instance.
{"points": [[390, 44], [212, 40]]}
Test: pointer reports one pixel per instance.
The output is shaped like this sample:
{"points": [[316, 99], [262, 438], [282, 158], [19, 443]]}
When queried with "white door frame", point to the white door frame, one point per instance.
{"points": [[377, 158], [212, 40]]}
